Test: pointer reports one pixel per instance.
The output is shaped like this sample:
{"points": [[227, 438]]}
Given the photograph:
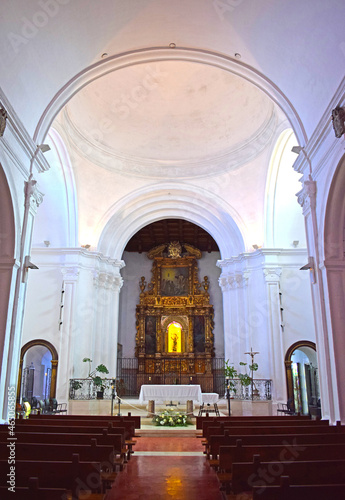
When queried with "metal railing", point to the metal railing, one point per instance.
{"points": [[129, 382]]}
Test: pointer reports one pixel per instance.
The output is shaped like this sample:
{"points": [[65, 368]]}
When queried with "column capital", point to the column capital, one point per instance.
{"points": [[70, 273], [33, 196], [231, 281], [272, 274], [307, 196]]}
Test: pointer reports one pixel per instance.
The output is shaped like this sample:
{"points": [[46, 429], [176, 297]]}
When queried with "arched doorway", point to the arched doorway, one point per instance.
{"points": [[302, 376], [37, 370]]}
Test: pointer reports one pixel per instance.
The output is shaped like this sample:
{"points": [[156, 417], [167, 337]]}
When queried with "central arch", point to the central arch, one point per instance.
{"points": [[179, 201]]}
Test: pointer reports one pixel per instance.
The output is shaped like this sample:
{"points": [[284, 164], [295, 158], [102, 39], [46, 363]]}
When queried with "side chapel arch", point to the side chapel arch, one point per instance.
{"points": [[54, 364], [288, 364]]}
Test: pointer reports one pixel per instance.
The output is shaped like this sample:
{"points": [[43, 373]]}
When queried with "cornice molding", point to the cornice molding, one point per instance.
{"points": [[184, 168], [16, 136]]}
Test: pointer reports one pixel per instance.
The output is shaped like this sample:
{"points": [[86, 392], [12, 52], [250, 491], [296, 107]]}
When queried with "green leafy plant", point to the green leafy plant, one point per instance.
{"points": [[100, 383], [230, 373], [76, 385], [245, 378], [172, 418]]}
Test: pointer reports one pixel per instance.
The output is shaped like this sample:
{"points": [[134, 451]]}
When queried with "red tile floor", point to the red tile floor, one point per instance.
{"points": [[164, 468]]}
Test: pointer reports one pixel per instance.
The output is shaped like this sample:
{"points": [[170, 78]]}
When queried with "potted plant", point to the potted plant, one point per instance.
{"points": [[247, 380], [75, 385], [230, 374], [100, 383]]}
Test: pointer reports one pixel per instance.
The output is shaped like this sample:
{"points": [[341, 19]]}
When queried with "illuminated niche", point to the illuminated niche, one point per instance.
{"points": [[174, 337]]}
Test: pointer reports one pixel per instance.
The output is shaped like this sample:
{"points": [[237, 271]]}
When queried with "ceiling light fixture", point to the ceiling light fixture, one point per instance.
{"points": [[44, 147], [105, 54], [238, 55], [172, 45]]}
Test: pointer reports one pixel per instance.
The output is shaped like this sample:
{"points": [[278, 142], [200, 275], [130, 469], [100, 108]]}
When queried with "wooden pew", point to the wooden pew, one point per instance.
{"points": [[30, 493], [103, 454], [293, 418], [113, 428], [215, 441], [72, 475], [285, 491], [77, 426], [70, 424], [116, 440], [100, 418], [245, 475]]}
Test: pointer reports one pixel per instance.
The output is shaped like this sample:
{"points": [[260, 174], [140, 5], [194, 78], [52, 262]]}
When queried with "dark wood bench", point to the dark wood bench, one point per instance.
{"points": [[74, 425], [245, 475], [100, 418], [116, 440], [250, 419], [285, 491], [215, 441], [72, 475], [104, 454]]}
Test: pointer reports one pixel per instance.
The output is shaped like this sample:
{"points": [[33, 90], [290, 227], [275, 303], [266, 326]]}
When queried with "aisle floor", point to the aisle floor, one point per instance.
{"points": [[164, 468]]}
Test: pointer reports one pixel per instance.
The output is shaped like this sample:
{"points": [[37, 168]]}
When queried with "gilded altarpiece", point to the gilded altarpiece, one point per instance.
{"points": [[174, 320]]}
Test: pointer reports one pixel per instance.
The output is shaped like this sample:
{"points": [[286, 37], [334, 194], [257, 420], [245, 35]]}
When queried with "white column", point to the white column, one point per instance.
{"points": [[68, 340], [107, 317], [236, 336], [9, 371], [275, 344], [324, 342]]}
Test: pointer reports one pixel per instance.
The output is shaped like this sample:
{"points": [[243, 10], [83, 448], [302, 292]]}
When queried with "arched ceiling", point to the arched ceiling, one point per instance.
{"points": [[297, 44], [167, 230], [169, 113]]}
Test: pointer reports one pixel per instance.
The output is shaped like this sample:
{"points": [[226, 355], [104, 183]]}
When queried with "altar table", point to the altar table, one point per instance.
{"points": [[162, 393]]}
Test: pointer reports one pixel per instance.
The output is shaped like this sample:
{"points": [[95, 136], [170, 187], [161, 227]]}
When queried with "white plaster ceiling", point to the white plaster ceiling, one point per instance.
{"points": [[169, 113]]}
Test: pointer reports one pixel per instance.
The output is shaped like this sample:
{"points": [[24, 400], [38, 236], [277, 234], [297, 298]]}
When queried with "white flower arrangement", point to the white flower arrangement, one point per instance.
{"points": [[172, 418]]}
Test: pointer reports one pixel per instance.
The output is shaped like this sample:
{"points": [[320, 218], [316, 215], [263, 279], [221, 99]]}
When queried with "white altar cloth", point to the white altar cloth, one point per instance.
{"points": [[210, 398], [162, 393]]}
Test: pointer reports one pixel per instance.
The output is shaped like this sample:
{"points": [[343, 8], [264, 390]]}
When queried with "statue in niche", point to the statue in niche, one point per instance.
{"points": [[199, 334], [150, 335], [338, 118]]}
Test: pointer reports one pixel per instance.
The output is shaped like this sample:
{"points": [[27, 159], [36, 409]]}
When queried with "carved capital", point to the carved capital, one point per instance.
{"points": [[272, 274], [70, 273], [338, 120], [3, 119], [233, 281], [33, 197], [307, 196]]}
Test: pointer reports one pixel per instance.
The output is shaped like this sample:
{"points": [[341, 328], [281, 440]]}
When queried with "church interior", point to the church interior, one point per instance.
{"points": [[172, 180]]}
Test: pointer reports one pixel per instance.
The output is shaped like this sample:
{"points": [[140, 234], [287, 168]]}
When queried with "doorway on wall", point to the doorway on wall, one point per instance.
{"points": [[37, 371], [302, 378], [36, 377]]}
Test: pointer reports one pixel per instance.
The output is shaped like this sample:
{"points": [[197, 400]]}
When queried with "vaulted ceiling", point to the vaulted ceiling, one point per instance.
{"points": [[167, 230]]}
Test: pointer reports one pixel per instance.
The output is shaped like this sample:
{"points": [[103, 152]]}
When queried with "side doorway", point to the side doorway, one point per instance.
{"points": [[302, 378]]}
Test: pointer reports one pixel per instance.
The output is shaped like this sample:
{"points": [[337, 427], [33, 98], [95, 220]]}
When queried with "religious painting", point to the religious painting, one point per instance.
{"points": [[174, 281], [199, 334], [150, 334]]}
